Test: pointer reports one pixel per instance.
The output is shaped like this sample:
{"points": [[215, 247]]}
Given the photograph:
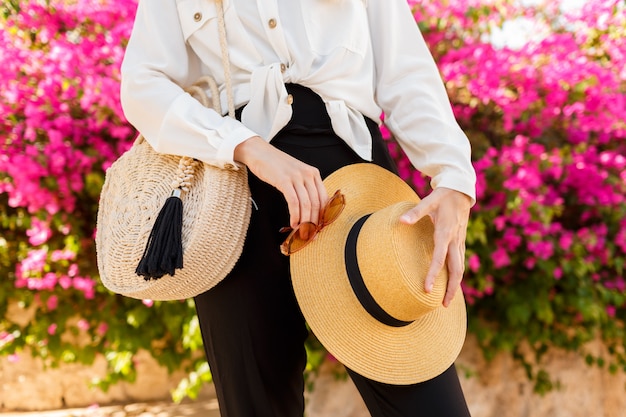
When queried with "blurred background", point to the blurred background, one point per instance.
{"points": [[538, 86]]}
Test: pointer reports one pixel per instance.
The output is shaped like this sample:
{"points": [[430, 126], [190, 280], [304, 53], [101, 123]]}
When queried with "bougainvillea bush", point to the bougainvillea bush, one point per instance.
{"points": [[61, 126], [547, 121], [546, 241]]}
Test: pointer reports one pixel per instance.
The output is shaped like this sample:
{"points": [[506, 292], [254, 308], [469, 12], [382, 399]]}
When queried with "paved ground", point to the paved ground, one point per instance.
{"points": [[206, 407]]}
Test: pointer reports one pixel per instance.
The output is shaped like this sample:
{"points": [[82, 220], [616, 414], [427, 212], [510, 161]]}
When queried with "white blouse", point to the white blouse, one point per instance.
{"points": [[361, 56]]}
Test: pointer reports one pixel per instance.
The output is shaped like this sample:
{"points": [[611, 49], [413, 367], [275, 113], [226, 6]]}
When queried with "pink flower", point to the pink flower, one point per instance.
{"points": [[530, 262], [500, 222], [59, 255], [72, 271], [541, 249], [500, 258], [474, 262], [83, 324], [102, 329], [52, 329], [565, 241], [511, 240], [65, 282], [35, 261], [52, 303], [6, 337], [148, 303], [49, 281], [86, 285], [610, 310], [39, 232]]}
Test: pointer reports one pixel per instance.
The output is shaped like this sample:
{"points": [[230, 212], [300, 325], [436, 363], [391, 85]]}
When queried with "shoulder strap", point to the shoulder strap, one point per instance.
{"points": [[225, 58]]}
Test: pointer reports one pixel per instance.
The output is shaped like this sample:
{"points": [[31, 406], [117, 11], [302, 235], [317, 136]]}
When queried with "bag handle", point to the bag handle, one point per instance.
{"points": [[196, 90]]}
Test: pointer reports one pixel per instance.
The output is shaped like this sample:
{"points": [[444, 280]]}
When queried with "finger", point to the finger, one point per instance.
{"points": [[315, 204], [416, 213], [456, 268], [438, 262], [321, 191], [293, 204], [304, 204]]}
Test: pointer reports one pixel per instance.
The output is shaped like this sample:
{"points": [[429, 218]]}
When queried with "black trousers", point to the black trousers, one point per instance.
{"points": [[252, 327]]}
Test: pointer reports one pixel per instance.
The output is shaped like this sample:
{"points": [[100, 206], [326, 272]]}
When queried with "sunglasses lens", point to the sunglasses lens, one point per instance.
{"points": [[305, 232], [334, 208], [302, 236]]}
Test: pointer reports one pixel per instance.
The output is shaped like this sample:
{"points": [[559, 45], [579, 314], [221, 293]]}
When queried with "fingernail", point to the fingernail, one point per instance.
{"points": [[405, 218]]}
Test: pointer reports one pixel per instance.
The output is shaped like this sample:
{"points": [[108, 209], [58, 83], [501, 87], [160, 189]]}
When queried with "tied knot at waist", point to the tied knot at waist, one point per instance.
{"points": [[273, 105], [309, 114]]}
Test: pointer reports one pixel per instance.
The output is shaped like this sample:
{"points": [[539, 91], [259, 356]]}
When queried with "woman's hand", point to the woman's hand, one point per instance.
{"points": [[301, 184], [449, 210]]}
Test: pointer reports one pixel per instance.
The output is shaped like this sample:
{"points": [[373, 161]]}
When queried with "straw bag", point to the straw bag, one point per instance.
{"points": [[141, 242]]}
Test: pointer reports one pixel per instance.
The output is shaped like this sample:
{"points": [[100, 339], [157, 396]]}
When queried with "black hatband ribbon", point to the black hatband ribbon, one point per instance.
{"points": [[358, 285]]}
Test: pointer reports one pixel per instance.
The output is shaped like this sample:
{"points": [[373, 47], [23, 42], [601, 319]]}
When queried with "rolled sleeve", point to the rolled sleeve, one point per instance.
{"points": [[417, 109], [157, 65], [232, 134], [191, 129]]}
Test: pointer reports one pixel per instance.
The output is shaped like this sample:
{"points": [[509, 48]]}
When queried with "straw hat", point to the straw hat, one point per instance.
{"points": [[393, 331]]}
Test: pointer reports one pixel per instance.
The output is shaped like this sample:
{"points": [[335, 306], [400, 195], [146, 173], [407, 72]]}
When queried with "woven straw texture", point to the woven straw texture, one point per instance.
{"points": [[393, 259], [216, 214], [216, 209]]}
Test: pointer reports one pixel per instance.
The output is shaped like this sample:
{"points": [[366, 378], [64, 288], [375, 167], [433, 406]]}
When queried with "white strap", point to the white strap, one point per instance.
{"points": [[187, 166], [225, 58]]}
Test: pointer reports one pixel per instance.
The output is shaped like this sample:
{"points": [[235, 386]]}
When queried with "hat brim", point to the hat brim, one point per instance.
{"points": [[395, 355]]}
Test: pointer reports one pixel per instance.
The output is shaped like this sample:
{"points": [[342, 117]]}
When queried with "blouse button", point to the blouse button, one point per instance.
{"points": [[283, 67], [197, 17], [272, 23], [290, 99]]}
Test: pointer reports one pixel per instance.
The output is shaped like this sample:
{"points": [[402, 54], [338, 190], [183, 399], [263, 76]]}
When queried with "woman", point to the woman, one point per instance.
{"points": [[310, 78]]}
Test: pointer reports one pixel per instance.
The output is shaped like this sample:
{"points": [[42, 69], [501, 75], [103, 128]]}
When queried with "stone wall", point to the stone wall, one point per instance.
{"points": [[501, 389], [26, 385], [497, 389]]}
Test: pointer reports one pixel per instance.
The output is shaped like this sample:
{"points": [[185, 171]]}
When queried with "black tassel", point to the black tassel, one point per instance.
{"points": [[164, 250]]}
